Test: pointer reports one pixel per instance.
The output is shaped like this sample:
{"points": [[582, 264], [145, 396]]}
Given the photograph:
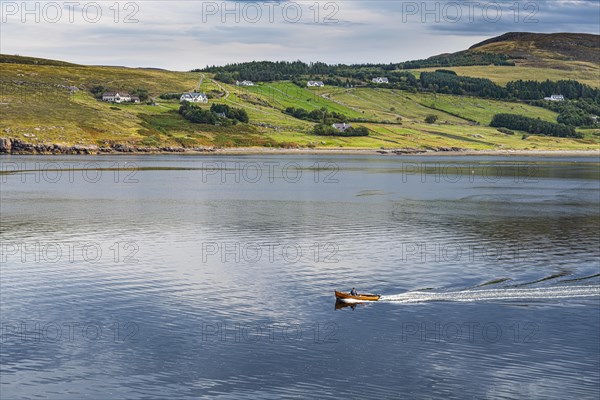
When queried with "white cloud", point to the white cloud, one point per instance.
{"points": [[189, 34]]}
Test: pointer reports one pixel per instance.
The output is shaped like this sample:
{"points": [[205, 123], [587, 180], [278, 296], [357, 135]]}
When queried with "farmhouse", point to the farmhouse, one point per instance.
{"points": [[342, 127], [315, 84], [117, 97], [381, 79], [244, 83], [555, 97], [194, 97]]}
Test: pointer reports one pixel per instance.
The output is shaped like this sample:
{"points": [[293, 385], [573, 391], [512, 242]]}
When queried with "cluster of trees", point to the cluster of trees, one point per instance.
{"points": [[590, 106], [321, 115], [571, 114], [169, 96], [533, 125], [238, 114], [581, 104], [431, 119], [446, 71], [460, 59], [198, 115], [328, 130], [227, 77], [267, 71], [141, 93], [445, 82], [534, 90], [407, 78], [97, 91]]}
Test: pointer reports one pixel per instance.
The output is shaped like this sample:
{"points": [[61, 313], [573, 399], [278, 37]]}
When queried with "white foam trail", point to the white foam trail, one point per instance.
{"points": [[546, 293]]}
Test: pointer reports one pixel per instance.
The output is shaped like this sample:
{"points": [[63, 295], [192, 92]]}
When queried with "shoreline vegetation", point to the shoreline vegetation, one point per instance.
{"points": [[18, 147]]}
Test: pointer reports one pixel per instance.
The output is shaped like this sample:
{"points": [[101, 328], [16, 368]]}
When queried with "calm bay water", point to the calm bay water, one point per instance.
{"points": [[203, 276]]}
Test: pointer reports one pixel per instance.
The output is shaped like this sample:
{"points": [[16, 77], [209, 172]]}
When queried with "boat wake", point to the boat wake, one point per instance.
{"points": [[545, 293]]}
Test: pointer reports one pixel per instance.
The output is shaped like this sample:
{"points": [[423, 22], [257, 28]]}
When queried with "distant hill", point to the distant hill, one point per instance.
{"points": [[525, 55], [544, 48], [16, 59]]}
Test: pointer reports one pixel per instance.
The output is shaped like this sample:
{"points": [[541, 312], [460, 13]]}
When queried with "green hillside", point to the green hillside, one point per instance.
{"points": [[38, 106], [537, 56]]}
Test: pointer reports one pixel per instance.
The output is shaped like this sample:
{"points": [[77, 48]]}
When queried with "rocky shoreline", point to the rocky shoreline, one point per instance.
{"points": [[19, 147]]}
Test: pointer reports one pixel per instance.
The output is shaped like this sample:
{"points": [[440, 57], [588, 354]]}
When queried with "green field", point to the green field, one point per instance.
{"points": [[583, 72], [480, 110], [282, 95], [33, 108]]}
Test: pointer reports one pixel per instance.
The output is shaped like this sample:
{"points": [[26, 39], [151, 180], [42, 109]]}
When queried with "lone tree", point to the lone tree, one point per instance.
{"points": [[430, 119]]}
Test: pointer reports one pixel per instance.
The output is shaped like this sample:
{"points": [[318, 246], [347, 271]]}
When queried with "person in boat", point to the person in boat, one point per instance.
{"points": [[353, 292]]}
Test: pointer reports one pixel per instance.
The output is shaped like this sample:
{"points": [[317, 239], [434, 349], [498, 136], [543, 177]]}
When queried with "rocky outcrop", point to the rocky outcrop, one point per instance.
{"points": [[17, 146], [5, 145], [421, 151]]}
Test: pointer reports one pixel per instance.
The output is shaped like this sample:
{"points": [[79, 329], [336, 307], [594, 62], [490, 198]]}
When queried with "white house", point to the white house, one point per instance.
{"points": [[244, 83], [381, 79], [194, 97], [342, 127], [555, 97], [315, 84], [117, 97]]}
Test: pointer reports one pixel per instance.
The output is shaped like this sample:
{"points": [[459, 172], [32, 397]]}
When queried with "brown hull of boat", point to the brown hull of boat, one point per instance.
{"points": [[361, 297]]}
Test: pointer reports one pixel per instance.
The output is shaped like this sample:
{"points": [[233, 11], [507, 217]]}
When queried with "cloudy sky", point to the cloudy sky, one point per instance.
{"points": [[182, 35]]}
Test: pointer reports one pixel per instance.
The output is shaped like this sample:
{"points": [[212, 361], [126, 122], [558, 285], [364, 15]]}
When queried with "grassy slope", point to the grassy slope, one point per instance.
{"points": [[32, 104], [32, 108], [583, 72], [391, 104]]}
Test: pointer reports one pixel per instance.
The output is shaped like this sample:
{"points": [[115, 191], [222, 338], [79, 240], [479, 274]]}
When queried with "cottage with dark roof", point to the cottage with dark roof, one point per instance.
{"points": [[116, 97]]}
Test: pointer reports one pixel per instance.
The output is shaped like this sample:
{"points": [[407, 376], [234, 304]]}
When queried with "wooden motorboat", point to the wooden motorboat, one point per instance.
{"points": [[348, 298]]}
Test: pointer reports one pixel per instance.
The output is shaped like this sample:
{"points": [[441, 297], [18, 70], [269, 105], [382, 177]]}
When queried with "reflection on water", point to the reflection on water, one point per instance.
{"points": [[340, 305], [191, 277]]}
